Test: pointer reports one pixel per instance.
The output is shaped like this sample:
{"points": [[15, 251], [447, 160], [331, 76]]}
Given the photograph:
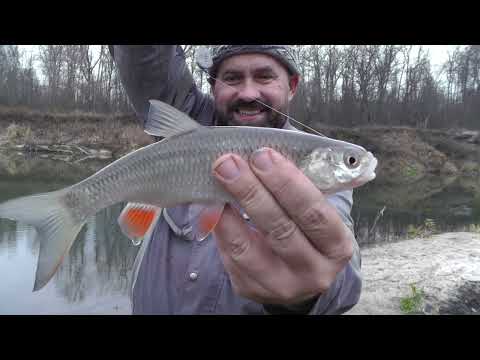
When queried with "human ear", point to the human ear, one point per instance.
{"points": [[293, 84]]}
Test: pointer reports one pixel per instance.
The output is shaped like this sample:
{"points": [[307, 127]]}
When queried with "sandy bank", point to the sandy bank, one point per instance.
{"points": [[446, 267]]}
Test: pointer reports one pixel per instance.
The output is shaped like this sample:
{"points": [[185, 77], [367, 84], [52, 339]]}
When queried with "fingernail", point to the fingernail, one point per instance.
{"points": [[228, 169], [262, 159]]}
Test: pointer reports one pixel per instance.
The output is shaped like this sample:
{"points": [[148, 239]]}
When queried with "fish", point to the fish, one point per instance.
{"points": [[173, 171]]}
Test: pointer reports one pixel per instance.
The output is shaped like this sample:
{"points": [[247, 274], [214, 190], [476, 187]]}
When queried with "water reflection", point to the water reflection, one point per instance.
{"points": [[93, 277], [99, 261], [452, 204], [8, 237]]}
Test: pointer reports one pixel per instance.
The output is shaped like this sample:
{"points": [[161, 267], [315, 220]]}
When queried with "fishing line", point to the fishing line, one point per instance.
{"points": [[260, 102]]}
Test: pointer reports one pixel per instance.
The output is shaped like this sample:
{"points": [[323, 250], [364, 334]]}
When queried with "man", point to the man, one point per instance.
{"points": [[301, 259]]}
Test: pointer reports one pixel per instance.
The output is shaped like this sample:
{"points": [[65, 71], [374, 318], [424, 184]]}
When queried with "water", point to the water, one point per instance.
{"points": [[438, 205], [94, 277]]}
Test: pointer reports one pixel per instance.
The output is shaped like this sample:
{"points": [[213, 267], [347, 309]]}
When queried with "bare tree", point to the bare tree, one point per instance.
{"points": [[71, 76], [349, 90], [341, 85], [87, 67], [365, 79], [51, 63]]}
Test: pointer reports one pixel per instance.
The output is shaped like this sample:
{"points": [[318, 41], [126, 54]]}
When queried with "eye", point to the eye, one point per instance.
{"points": [[231, 78], [265, 77], [351, 160]]}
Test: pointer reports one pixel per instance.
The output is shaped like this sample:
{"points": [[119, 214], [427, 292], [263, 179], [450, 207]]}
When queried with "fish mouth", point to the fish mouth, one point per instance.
{"points": [[370, 170]]}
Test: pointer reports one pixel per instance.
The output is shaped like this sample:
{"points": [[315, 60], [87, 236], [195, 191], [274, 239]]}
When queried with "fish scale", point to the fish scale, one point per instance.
{"points": [[175, 171], [185, 163]]}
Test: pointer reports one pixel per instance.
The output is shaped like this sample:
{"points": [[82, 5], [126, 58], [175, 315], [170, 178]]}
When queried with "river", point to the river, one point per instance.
{"points": [[94, 277]]}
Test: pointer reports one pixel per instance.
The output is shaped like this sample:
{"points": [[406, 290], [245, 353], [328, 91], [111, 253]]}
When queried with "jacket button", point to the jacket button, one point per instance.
{"points": [[193, 276]]}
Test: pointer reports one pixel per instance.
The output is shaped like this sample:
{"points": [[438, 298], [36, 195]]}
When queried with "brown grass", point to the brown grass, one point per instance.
{"points": [[18, 134], [117, 132]]}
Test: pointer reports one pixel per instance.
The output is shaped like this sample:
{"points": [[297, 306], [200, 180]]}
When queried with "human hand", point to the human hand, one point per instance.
{"points": [[300, 244]]}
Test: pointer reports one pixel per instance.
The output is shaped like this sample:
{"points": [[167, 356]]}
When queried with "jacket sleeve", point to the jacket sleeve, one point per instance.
{"points": [[345, 291], [159, 72]]}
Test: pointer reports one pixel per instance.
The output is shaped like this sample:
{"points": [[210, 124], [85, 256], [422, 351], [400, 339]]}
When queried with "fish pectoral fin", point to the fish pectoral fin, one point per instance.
{"points": [[138, 220], [166, 121], [204, 219]]}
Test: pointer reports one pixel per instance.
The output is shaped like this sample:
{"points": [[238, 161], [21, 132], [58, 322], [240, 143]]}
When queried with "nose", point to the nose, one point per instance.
{"points": [[248, 91]]}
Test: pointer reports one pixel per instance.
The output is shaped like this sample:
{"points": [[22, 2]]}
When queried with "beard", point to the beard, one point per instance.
{"points": [[270, 118]]}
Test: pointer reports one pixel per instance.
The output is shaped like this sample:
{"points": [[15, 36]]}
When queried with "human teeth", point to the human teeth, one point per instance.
{"points": [[249, 113]]}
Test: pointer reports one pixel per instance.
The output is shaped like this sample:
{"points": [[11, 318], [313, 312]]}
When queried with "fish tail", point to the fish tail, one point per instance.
{"points": [[56, 228]]}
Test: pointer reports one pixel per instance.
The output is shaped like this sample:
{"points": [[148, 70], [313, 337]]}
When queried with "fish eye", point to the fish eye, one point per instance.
{"points": [[351, 161]]}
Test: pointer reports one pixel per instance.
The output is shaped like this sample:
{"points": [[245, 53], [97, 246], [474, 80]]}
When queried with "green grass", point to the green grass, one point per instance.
{"points": [[475, 228], [429, 227], [412, 303], [410, 171], [470, 167]]}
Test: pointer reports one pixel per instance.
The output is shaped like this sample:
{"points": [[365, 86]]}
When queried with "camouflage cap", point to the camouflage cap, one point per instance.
{"points": [[283, 53]]}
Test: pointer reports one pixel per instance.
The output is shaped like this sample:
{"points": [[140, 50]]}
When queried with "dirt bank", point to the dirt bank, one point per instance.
{"points": [[117, 133], [444, 269], [406, 156]]}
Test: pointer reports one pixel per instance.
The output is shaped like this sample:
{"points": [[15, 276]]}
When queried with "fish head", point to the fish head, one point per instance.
{"points": [[339, 168]]}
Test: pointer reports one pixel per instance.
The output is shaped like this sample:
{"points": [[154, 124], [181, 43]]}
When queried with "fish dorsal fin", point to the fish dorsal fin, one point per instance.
{"points": [[166, 121]]}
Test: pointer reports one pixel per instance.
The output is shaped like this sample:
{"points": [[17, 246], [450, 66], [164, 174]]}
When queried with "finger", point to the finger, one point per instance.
{"points": [[302, 201], [232, 234], [247, 286], [241, 245], [258, 274], [244, 259], [284, 236], [281, 234]]}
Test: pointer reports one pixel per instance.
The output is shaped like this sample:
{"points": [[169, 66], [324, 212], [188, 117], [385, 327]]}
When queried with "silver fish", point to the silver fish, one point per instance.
{"points": [[177, 170]]}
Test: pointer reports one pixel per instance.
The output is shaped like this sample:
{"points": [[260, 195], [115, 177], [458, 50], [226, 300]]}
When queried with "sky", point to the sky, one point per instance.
{"points": [[439, 53]]}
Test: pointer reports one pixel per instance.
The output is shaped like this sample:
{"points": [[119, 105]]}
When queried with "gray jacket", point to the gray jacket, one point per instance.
{"points": [[172, 273]]}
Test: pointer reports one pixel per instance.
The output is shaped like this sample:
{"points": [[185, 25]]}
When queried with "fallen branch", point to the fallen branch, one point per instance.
{"points": [[85, 158], [82, 150], [379, 215]]}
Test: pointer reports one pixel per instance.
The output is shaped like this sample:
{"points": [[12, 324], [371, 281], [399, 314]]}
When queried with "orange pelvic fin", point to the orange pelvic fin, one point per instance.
{"points": [[204, 218], [137, 220]]}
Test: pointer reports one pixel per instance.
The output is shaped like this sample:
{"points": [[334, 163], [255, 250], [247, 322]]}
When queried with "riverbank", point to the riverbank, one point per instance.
{"points": [[406, 155], [29, 131], [443, 269], [414, 164], [434, 275]]}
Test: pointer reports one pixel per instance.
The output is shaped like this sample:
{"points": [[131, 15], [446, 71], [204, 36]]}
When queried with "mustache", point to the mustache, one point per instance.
{"points": [[253, 104]]}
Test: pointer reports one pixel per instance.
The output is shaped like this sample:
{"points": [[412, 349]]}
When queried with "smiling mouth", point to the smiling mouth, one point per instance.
{"points": [[248, 109], [248, 113]]}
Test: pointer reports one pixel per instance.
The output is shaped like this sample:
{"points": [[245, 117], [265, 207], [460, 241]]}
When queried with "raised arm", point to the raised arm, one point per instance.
{"points": [[159, 72]]}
